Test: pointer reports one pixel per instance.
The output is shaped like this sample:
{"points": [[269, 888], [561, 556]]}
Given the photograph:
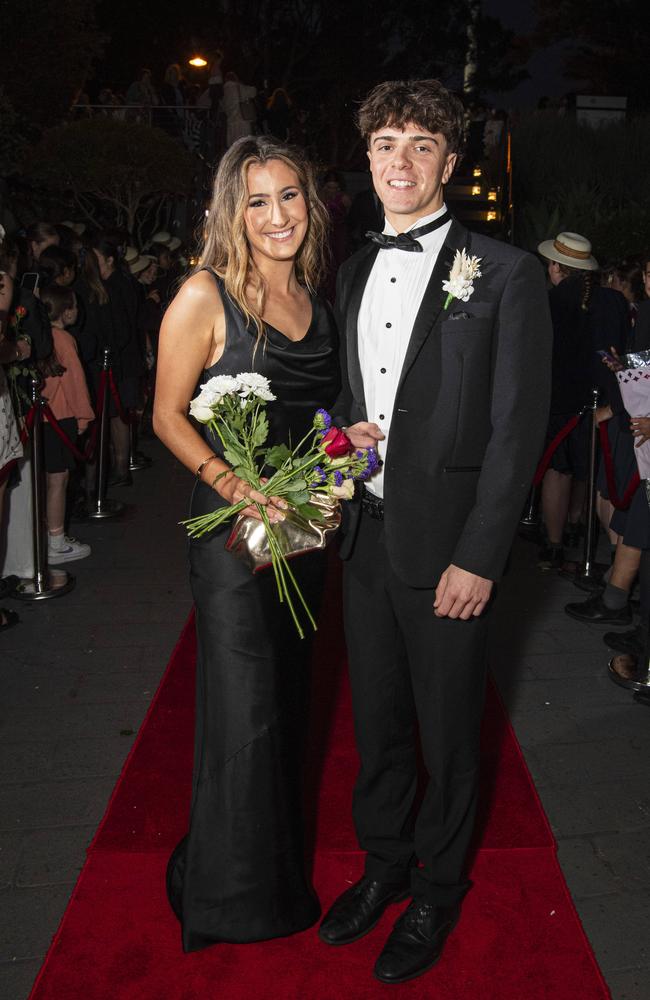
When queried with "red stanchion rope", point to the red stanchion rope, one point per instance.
{"points": [[618, 502], [60, 433], [554, 445], [126, 418]]}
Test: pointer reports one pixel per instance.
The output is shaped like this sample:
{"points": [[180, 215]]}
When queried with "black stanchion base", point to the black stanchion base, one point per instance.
{"points": [[55, 584], [105, 508]]}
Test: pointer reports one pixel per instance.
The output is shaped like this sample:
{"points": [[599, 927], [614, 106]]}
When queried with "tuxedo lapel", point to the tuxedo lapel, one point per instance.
{"points": [[358, 285], [431, 308]]}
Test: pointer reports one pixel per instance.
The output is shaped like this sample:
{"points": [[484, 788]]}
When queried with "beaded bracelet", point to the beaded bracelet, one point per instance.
{"points": [[203, 464]]}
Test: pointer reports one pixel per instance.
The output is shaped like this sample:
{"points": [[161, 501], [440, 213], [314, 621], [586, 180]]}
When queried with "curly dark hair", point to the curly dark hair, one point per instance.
{"points": [[424, 102]]}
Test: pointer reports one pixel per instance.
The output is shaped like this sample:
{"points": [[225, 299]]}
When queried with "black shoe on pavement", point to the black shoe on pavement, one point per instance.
{"points": [[358, 910], [550, 557], [595, 612], [626, 642], [416, 941]]}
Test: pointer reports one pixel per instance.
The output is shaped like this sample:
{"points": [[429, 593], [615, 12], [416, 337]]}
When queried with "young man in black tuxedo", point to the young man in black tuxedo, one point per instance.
{"points": [[453, 389]]}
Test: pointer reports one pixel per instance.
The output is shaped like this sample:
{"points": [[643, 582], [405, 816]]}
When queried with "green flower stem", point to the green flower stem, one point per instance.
{"points": [[280, 563], [448, 301]]}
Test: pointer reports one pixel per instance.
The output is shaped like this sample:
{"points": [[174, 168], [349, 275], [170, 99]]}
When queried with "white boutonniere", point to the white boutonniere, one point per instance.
{"points": [[460, 284]]}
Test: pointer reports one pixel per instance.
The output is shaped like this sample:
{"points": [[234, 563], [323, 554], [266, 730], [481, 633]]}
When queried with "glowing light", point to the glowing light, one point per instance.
{"points": [[491, 216], [492, 194], [198, 61], [476, 191], [476, 172]]}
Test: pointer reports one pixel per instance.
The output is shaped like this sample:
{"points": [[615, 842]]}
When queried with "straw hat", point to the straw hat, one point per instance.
{"points": [[131, 254], [141, 264], [569, 249], [162, 237], [174, 243]]}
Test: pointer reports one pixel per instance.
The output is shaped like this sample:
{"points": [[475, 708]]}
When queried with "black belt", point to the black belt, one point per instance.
{"points": [[372, 505]]}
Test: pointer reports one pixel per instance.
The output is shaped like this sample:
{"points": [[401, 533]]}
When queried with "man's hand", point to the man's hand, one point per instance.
{"points": [[364, 434], [460, 594]]}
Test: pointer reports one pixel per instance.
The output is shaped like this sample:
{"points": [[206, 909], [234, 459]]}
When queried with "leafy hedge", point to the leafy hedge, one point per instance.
{"points": [[591, 181]]}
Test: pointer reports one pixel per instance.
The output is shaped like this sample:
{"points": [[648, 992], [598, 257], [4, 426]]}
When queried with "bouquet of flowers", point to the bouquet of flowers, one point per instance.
{"points": [[312, 477]]}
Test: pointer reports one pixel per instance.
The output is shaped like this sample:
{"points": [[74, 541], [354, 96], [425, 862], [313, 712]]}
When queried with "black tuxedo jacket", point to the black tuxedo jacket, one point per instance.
{"points": [[470, 413]]}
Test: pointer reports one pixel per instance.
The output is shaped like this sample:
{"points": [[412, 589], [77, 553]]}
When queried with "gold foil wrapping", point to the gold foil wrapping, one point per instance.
{"points": [[295, 535]]}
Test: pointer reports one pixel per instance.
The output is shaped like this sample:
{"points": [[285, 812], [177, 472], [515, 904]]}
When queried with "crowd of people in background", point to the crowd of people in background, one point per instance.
{"points": [[68, 294], [601, 315], [209, 116]]}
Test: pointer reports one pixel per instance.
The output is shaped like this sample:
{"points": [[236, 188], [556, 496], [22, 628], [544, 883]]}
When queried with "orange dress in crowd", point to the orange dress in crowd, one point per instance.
{"points": [[67, 394]]}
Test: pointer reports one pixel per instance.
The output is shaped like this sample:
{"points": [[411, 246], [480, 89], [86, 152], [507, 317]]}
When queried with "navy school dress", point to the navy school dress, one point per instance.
{"points": [[240, 874]]}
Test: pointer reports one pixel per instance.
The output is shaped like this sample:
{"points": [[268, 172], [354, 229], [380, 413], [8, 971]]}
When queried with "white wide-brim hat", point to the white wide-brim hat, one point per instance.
{"points": [[141, 263], [131, 254], [162, 237], [174, 243], [570, 249]]}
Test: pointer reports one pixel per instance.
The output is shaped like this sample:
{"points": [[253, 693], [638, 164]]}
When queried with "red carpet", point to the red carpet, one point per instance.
{"points": [[519, 937]]}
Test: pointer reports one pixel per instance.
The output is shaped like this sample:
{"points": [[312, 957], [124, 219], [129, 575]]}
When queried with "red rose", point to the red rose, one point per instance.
{"points": [[20, 313], [336, 444]]}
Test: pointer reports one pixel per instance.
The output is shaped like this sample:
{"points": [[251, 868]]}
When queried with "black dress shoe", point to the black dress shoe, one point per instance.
{"points": [[595, 612], [416, 941], [358, 910], [550, 557], [626, 642]]}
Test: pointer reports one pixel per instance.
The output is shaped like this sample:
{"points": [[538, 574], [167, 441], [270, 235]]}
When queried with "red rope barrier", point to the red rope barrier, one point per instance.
{"points": [[554, 445], [58, 430], [632, 486], [126, 418]]}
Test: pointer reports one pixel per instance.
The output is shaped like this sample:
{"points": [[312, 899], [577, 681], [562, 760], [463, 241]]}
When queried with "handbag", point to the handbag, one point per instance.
{"points": [[247, 109]]}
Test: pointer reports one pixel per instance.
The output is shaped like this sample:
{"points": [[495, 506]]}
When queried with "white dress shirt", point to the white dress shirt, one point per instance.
{"points": [[390, 304]]}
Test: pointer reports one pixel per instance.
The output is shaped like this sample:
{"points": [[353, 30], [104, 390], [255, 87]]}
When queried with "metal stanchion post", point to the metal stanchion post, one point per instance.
{"points": [[587, 570], [46, 583], [103, 506], [137, 460]]}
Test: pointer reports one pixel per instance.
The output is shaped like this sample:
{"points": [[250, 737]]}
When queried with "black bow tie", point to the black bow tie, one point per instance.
{"points": [[407, 241]]}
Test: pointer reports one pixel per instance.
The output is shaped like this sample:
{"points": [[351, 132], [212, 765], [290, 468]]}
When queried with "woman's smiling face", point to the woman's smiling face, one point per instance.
{"points": [[276, 216]]}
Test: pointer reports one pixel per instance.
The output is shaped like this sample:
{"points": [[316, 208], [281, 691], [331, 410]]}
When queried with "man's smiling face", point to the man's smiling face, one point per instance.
{"points": [[409, 167]]}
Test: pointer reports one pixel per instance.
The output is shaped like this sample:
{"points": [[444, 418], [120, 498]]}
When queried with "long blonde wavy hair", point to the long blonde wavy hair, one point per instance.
{"points": [[225, 246]]}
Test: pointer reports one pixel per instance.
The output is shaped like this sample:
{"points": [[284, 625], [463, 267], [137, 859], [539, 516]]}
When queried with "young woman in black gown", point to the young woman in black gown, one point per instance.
{"points": [[239, 874]]}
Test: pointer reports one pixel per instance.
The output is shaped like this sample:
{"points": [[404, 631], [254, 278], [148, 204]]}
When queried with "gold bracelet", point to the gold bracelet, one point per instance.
{"points": [[203, 464]]}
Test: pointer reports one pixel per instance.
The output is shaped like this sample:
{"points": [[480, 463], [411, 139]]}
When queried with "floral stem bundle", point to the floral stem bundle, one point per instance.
{"points": [[311, 477]]}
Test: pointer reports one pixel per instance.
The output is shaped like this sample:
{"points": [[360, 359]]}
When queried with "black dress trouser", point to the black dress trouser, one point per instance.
{"points": [[409, 668]]}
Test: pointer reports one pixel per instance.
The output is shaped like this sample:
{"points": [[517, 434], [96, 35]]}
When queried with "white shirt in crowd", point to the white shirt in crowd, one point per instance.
{"points": [[390, 304]]}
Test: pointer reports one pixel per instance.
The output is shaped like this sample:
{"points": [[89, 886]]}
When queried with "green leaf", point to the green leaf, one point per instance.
{"points": [[277, 456], [296, 486], [260, 431], [309, 511], [299, 498], [235, 456]]}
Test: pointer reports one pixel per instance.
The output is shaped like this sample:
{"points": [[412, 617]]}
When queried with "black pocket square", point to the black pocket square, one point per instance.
{"points": [[460, 315]]}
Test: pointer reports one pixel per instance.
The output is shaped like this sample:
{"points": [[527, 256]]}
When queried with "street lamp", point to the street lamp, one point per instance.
{"points": [[198, 61]]}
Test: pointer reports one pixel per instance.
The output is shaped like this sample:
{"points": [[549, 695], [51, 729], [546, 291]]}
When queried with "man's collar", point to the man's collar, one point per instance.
{"points": [[391, 231]]}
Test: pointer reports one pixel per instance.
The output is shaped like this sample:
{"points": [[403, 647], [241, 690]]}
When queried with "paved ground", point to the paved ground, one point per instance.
{"points": [[77, 677]]}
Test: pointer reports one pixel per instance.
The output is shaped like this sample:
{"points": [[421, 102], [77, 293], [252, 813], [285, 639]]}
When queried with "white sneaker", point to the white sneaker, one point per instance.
{"points": [[67, 550]]}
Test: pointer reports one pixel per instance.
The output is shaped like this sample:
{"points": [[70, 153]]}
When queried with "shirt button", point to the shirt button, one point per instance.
{"points": [[381, 416], [388, 326], [393, 280], [383, 371]]}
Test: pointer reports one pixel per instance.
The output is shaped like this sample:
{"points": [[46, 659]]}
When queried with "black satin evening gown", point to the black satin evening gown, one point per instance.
{"points": [[240, 875]]}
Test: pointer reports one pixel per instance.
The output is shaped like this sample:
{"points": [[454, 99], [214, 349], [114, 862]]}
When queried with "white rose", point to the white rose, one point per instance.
{"points": [[345, 491]]}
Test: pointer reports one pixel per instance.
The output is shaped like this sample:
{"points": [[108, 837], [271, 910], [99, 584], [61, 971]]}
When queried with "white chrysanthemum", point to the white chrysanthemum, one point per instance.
{"points": [[254, 384], [201, 410], [219, 386]]}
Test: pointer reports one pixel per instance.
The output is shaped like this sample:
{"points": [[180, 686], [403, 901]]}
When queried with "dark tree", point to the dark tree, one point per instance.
{"points": [[607, 45]]}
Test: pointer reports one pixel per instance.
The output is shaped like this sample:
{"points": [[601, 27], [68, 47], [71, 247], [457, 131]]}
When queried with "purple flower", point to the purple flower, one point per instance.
{"points": [[372, 458], [319, 475], [338, 478], [322, 420]]}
